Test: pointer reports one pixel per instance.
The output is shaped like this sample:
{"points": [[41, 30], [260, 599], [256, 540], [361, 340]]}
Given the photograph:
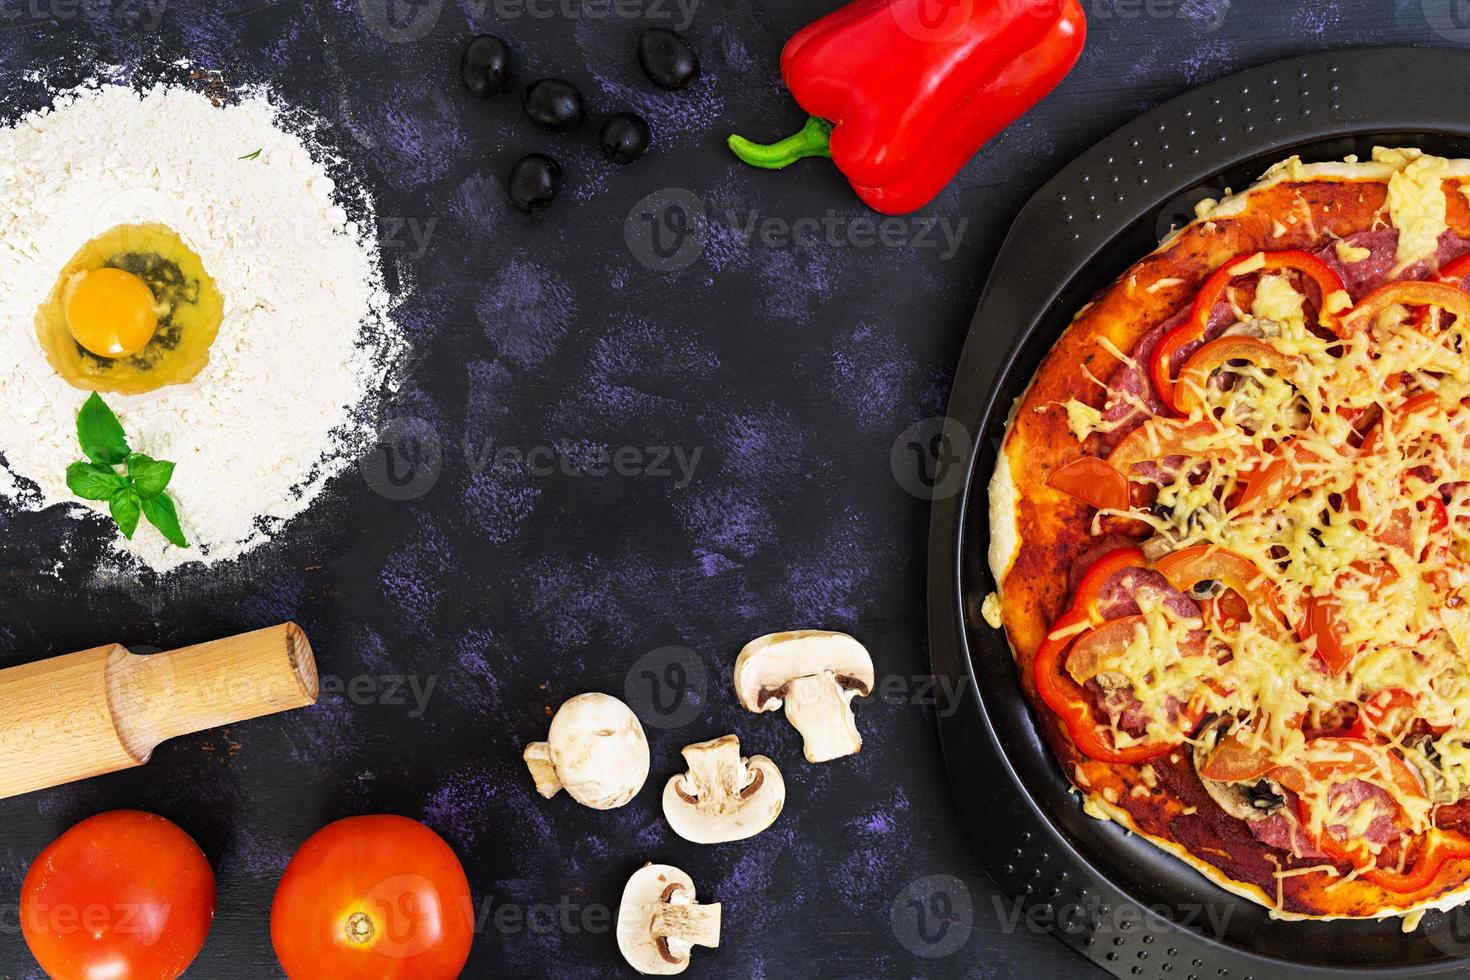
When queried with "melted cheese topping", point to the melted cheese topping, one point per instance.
{"points": [[1416, 203], [1378, 524], [990, 611]]}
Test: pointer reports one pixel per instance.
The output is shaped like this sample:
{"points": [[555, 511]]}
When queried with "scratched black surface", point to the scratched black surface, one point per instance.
{"points": [[791, 368]]}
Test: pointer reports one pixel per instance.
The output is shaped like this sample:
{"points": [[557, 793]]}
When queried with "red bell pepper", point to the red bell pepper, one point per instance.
{"points": [[1456, 271], [1194, 377], [1334, 759], [1439, 847], [1203, 563], [903, 92], [1063, 695], [1192, 330], [1407, 292]]}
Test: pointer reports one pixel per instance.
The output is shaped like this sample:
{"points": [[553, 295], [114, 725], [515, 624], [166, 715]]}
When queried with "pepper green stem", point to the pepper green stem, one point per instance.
{"points": [[812, 140]]}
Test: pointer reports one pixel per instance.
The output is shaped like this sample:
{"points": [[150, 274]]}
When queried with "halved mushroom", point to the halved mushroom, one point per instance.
{"points": [[596, 751], [815, 674], [1421, 752], [659, 921], [1253, 799], [723, 797]]}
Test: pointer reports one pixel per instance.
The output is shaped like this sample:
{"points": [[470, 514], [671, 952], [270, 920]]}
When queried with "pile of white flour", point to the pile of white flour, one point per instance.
{"points": [[304, 351]]}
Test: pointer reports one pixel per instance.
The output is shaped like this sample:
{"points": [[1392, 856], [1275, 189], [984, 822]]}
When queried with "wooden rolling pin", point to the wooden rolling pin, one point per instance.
{"points": [[106, 709]]}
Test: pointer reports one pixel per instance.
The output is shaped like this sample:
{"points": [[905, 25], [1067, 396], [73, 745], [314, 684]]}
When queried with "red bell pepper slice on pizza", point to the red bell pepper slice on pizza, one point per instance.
{"points": [[1065, 696], [1193, 329]]}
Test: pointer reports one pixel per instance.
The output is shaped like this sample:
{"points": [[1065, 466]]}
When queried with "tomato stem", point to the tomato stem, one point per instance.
{"points": [[360, 928]]}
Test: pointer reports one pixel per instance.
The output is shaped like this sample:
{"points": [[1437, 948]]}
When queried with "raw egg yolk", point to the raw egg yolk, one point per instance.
{"points": [[110, 312]]}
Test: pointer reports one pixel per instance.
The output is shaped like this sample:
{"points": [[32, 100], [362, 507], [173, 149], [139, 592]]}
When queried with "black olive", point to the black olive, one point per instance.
{"points": [[485, 66], [1263, 796], [533, 182], [555, 104], [624, 137], [1206, 589], [667, 59]]}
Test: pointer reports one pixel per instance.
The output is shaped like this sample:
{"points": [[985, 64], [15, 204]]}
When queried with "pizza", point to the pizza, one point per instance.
{"points": [[1230, 530]]}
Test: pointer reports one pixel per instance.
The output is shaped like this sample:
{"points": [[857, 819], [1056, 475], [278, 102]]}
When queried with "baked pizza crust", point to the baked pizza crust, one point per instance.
{"points": [[1034, 529]]}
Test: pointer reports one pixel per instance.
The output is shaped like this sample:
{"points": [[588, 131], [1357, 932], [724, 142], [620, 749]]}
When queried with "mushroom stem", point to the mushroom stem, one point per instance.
{"points": [[716, 776], [683, 925], [538, 759], [821, 709]]}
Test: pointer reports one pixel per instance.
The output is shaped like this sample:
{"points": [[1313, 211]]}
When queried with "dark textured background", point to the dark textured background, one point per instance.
{"points": [[792, 369]]}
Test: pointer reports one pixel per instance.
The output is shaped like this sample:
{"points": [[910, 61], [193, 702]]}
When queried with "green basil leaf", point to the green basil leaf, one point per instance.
{"points": [[149, 475], [92, 482], [126, 509], [100, 433], [161, 514]]}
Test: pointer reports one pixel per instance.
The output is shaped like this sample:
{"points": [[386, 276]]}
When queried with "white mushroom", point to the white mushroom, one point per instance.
{"points": [[659, 922], [723, 797], [815, 674], [596, 751]]}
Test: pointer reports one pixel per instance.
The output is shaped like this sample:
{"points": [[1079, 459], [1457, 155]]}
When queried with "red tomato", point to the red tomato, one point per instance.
{"points": [[1092, 481], [124, 895], [373, 898], [1231, 761]]}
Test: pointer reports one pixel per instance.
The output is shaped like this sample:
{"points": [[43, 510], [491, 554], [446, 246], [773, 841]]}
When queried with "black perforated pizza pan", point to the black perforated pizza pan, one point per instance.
{"points": [[1119, 901]]}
